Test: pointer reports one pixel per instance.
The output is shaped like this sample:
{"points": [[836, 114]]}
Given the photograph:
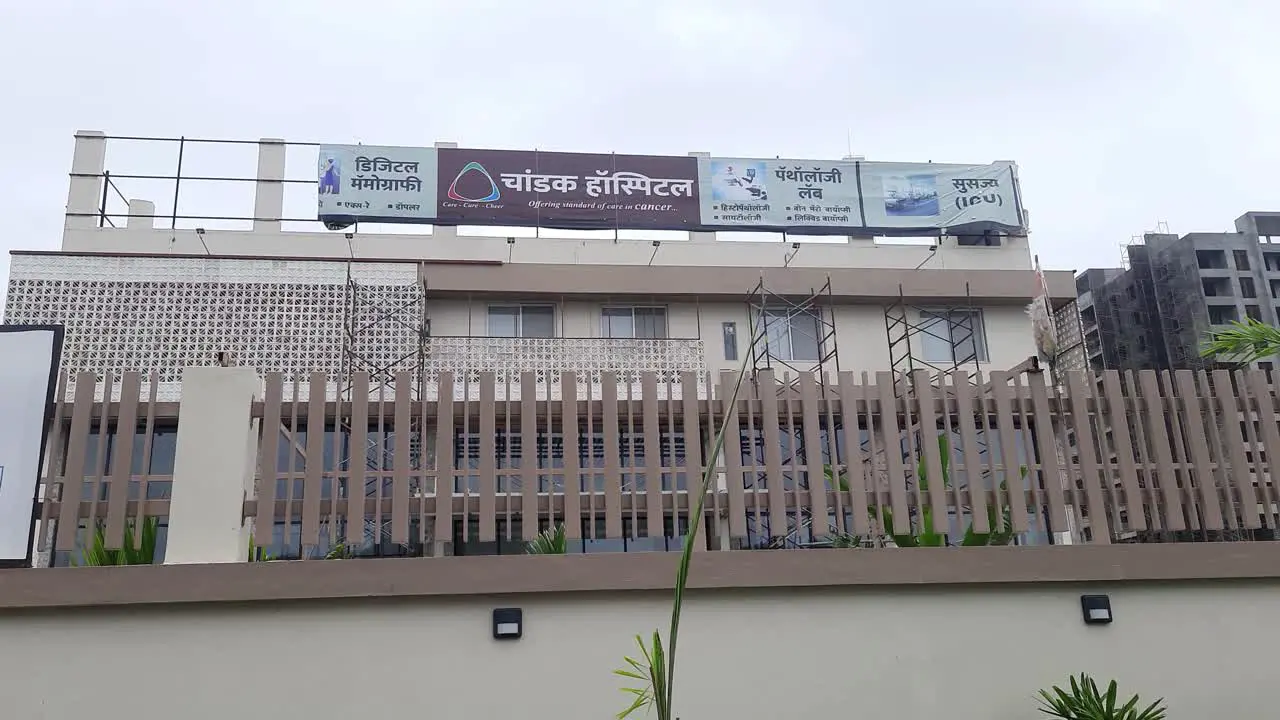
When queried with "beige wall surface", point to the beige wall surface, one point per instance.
{"points": [[925, 652]]}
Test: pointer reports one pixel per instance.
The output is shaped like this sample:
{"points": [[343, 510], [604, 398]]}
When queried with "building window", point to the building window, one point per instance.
{"points": [[1222, 314], [522, 321], [1272, 261], [1242, 259], [634, 322], [1211, 259], [1216, 286], [1247, 288], [791, 336], [1253, 312], [730, 332], [953, 336]]}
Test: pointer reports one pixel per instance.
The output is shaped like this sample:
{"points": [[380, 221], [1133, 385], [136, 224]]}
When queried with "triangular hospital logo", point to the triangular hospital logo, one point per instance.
{"points": [[493, 195]]}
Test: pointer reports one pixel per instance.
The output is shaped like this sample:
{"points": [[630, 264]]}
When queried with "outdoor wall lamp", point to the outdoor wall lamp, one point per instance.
{"points": [[1096, 609], [507, 624]]}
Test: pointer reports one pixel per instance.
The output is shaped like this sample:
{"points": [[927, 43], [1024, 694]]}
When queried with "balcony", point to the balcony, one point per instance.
{"points": [[546, 359]]}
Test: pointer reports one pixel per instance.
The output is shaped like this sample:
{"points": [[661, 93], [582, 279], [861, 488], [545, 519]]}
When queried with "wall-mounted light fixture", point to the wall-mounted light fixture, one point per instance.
{"points": [[1096, 609], [508, 624]]}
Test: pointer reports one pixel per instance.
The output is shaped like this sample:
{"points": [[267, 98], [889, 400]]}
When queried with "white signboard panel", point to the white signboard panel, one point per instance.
{"points": [[28, 366]]}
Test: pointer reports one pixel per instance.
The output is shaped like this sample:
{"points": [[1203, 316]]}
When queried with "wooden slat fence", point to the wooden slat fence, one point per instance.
{"points": [[855, 459]]}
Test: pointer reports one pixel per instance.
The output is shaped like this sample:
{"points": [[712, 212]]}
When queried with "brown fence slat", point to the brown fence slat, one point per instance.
{"points": [[731, 453], [57, 456], [892, 441], [529, 455], [612, 471], [855, 473], [770, 424], [1189, 506], [94, 476], [1270, 432], [1256, 456], [572, 459], [73, 480], [1118, 419], [1192, 416], [1051, 471], [314, 471], [269, 452], [1217, 453], [122, 460], [691, 427], [875, 472], [1152, 517], [652, 454], [488, 465], [1088, 468], [147, 440], [357, 459], [922, 384], [817, 500], [1158, 435], [1008, 431], [400, 458], [591, 431], [1238, 474], [993, 464], [972, 457]]}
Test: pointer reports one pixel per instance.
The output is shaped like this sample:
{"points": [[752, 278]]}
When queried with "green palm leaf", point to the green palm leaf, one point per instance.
{"points": [[551, 541], [1085, 702], [659, 667], [1243, 342], [96, 553]]}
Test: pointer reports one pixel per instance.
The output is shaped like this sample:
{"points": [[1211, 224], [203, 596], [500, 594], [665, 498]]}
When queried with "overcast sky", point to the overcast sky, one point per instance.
{"points": [[1121, 113]]}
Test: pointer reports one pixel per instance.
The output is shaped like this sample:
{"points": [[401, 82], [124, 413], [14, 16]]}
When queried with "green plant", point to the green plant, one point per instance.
{"points": [[551, 541], [96, 552], [1085, 702], [258, 553], [1244, 342], [655, 670], [923, 535]]}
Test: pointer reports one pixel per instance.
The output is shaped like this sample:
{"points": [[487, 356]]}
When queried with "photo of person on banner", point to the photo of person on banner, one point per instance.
{"points": [[738, 182]]}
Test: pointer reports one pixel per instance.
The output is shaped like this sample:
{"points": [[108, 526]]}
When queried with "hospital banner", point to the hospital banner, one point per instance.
{"points": [[752, 194], [458, 186], [29, 357], [377, 183], [567, 190], [909, 196]]}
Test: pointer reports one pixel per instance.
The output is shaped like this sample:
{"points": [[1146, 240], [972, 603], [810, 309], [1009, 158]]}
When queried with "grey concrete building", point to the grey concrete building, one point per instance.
{"points": [[1176, 291]]}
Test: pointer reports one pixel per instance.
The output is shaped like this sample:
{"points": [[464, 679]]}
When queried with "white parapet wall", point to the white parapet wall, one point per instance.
{"points": [[214, 466]]}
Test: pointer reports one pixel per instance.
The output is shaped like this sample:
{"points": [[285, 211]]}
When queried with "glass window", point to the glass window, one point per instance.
{"points": [[522, 321], [791, 335], [1242, 259], [730, 332], [1247, 288], [953, 336], [634, 322]]}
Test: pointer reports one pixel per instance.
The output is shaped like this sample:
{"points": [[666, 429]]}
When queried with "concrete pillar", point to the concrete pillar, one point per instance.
{"points": [[701, 236], [268, 197], [142, 214], [445, 233], [85, 192], [213, 469]]}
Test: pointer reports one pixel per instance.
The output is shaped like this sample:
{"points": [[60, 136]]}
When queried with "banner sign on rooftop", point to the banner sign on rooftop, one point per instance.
{"points": [[29, 360], [453, 186]]}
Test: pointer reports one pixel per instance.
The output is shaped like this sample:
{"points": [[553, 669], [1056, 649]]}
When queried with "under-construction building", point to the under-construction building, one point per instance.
{"points": [[1158, 312], [161, 277]]}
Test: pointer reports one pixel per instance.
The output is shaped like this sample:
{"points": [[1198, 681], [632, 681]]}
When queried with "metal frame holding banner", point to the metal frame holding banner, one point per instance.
{"points": [[27, 388], [459, 186]]}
